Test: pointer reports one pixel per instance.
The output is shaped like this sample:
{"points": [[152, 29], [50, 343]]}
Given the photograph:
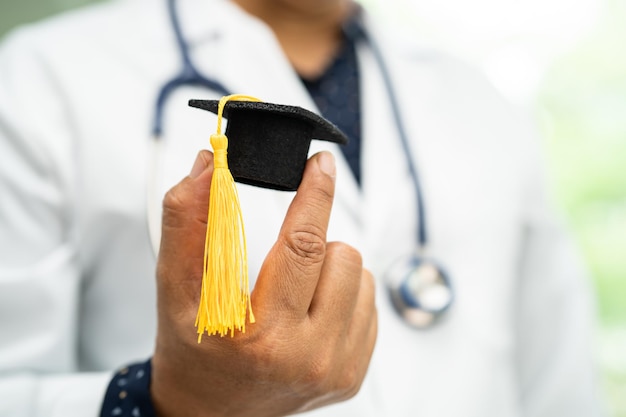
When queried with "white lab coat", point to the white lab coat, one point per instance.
{"points": [[77, 293]]}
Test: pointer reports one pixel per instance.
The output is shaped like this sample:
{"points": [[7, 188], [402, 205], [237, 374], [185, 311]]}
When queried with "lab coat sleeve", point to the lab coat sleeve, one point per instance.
{"points": [[40, 278], [555, 316]]}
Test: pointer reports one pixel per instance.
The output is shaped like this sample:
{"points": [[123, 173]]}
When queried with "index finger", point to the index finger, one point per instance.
{"points": [[291, 270]]}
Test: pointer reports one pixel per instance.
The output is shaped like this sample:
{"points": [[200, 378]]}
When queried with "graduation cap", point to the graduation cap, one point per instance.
{"points": [[268, 143], [265, 145]]}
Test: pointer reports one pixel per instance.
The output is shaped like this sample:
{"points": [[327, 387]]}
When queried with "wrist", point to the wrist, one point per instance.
{"points": [[171, 392]]}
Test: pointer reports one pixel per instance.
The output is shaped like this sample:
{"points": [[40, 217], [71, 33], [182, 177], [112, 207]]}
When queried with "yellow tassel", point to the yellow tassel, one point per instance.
{"points": [[225, 297]]}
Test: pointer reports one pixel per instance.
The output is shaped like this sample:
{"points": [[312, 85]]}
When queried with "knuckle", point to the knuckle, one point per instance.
{"points": [[319, 372], [172, 200], [349, 382], [345, 252], [327, 375], [352, 392], [306, 246], [172, 207], [368, 284], [180, 209]]}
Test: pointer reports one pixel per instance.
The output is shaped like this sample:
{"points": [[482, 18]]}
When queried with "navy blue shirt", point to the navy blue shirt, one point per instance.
{"points": [[337, 95], [128, 394]]}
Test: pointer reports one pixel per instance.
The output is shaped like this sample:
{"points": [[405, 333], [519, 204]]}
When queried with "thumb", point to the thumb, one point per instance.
{"points": [[185, 208]]}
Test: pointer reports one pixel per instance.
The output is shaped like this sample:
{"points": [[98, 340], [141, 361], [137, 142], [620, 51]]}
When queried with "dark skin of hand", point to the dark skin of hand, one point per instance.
{"points": [[316, 321]]}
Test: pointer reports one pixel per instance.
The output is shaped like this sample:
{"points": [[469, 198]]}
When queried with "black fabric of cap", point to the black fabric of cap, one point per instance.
{"points": [[268, 143]]}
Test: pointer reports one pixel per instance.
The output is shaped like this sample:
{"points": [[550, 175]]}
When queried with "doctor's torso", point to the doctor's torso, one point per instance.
{"points": [[101, 76]]}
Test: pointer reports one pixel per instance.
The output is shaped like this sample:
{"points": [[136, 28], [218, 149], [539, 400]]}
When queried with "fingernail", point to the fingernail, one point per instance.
{"points": [[327, 164], [198, 166]]}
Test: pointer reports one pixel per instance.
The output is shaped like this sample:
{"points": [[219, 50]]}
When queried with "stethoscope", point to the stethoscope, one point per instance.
{"points": [[420, 289]]}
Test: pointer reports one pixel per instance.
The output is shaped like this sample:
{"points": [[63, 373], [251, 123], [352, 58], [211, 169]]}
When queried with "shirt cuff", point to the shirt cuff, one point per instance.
{"points": [[128, 394]]}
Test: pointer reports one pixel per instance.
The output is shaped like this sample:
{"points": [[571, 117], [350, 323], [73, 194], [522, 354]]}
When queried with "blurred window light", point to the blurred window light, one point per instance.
{"points": [[514, 42]]}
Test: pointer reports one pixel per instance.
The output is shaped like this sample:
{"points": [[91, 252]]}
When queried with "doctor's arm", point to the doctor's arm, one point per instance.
{"points": [[40, 278], [555, 318]]}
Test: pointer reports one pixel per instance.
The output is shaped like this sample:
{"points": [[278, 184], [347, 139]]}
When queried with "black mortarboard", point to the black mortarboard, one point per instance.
{"points": [[268, 143]]}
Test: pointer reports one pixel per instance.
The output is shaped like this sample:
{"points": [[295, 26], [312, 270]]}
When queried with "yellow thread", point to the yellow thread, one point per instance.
{"points": [[225, 297]]}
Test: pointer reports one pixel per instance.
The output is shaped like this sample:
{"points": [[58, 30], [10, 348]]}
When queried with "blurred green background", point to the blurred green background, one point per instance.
{"points": [[579, 97], [584, 98]]}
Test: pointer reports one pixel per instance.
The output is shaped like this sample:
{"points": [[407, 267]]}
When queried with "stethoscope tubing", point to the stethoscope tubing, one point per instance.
{"points": [[357, 31], [189, 75]]}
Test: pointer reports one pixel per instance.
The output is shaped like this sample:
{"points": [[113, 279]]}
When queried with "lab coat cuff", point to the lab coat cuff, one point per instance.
{"points": [[128, 394]]}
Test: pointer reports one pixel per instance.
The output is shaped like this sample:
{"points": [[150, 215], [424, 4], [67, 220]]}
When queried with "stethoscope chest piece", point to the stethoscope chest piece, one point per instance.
{"points": [[419, 289]]}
